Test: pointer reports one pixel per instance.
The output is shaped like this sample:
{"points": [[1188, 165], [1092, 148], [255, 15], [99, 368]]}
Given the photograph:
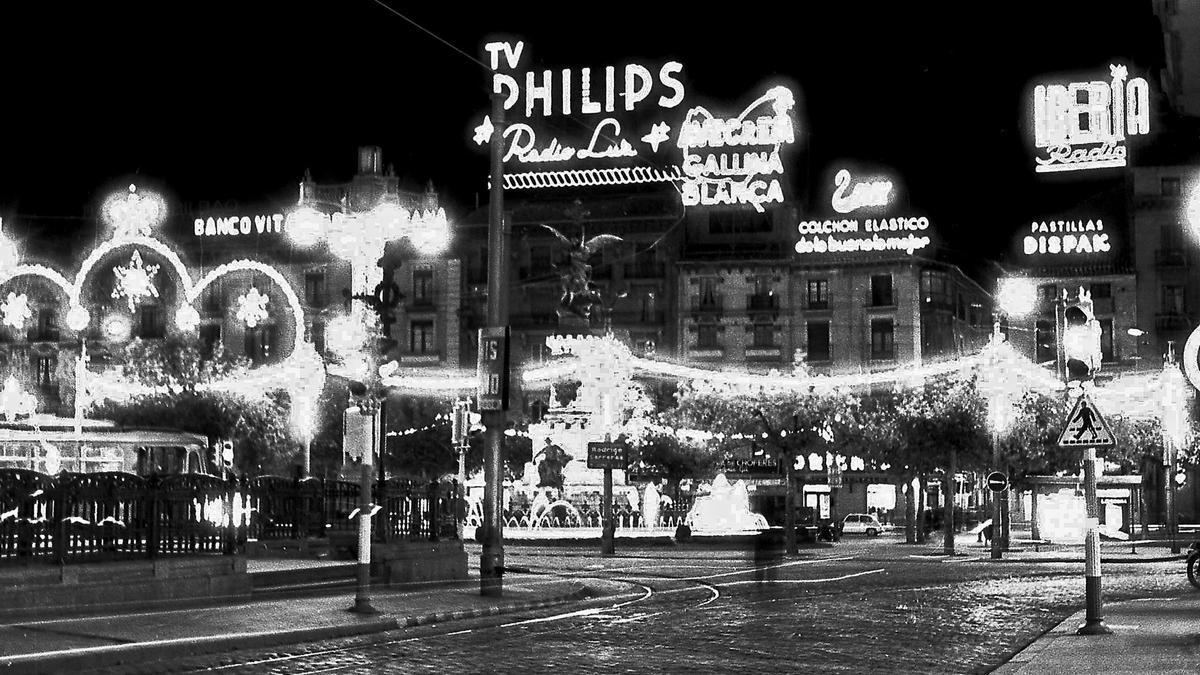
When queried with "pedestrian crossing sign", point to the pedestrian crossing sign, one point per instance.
{"points": [[1085, 427]]}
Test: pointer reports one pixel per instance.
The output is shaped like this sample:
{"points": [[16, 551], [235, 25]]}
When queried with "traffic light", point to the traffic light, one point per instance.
{"points": [[460, 423], [1081, 338], [227, 452], [1181, 477]]}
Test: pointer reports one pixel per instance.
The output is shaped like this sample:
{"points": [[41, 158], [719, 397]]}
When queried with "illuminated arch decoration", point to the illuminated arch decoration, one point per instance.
{"points": [[273, 274], [133, 216], [181, 274]]}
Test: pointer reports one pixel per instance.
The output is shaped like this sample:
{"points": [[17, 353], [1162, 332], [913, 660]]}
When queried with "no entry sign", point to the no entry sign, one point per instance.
{"points": [[997, 482]]}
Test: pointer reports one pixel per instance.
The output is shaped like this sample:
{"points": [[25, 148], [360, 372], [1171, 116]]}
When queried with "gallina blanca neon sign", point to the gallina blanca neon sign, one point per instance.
{"points": [[631, 132]]}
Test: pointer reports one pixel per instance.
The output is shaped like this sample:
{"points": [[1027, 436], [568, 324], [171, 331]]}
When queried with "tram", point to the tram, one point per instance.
{"points": [[51, 444]]}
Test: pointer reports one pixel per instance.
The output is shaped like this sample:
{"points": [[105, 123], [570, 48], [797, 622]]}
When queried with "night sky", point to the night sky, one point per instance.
{"points": [[233, 100]]}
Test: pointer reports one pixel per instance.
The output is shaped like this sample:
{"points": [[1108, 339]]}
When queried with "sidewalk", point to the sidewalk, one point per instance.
{"points": [[1160, 635], [65, 645]]}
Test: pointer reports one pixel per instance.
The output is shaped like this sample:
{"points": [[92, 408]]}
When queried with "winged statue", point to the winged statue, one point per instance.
{"points": [[579, 292]]}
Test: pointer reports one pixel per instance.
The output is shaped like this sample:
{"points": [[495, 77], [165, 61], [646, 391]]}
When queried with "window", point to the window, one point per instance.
{"points": [[764, 336], [151, 323], [937, 334], [1170, 237], [44, 367], [46, 329], [1101, 291], [1048, 293], [1047, 348], [881, 290], [1106, 340], [935, 287], [706, 337], [314, 289], [708, 294], [211, 299], [818, 294], [1172, 300], [259, 343], [818, 341], [882, 339], [648, 313], [420, 337], [1170, 186], [960, 309], [316, 335], [423, 287], [210, 335]]}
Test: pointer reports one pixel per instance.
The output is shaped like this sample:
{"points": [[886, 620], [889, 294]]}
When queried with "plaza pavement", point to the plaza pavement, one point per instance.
{"points": [[53, 645], [1156, 635]]}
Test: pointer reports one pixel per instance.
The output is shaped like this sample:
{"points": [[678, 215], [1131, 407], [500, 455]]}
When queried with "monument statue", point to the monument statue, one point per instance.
{"points": [[579, 292], [550, 469]]}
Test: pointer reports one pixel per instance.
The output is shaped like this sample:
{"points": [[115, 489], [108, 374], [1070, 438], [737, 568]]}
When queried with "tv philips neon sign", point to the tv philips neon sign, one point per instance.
{"points": [[849, 235], [721, 160], [1082, 125]]}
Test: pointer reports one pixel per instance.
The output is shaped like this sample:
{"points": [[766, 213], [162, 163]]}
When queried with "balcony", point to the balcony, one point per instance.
{"points": [[42, 335], [1172, 321], [426, 359], [764, 353], [702, 305], [1171, 257], [422, 304], [706, 352], [817, 305], [765, 303]]}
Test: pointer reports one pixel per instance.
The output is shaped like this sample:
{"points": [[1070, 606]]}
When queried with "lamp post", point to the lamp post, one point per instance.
{"points": [[1015, 297]]}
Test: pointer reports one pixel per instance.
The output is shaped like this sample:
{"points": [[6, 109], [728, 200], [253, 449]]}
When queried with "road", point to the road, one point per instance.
{"points": [[862, 605]]}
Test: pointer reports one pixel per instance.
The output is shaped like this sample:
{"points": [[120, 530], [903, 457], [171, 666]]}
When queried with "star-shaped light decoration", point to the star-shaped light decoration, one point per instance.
{"points": [[252, 308], [658, 134], [133, 214], [135, 282], [14, 311], [483, 132]]}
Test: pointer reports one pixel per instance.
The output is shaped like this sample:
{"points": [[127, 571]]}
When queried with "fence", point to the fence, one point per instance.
{"points": [[83, 517]]}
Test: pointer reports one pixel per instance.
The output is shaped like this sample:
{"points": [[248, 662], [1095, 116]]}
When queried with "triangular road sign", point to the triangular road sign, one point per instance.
{"points": [[1085, 427]]}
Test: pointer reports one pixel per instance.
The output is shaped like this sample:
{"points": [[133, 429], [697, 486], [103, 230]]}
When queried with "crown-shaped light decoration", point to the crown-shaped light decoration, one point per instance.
{"points": [[9, 256], [133, 214], [135, 282], [252, 308], [14, 311]]}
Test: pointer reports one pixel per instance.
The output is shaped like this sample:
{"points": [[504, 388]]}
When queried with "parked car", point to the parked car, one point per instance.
{"points": [[862, 523]]}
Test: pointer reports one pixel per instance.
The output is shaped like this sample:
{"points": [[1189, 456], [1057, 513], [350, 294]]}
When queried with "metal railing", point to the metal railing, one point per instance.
{"points": [[85, 517]]}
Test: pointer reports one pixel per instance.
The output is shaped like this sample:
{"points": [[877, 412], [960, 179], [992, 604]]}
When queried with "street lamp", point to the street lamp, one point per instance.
{"points": [[1015, 297], [361, 239]]}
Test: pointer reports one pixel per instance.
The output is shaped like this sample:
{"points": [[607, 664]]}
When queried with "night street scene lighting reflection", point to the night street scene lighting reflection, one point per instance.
{"points": [[358, 337]]}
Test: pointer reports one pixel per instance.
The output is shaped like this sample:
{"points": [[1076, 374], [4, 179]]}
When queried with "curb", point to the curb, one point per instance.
{"points": [[1080, 561], [89, 658]]}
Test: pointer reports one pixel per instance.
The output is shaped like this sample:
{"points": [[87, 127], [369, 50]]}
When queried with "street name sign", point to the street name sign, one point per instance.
{"points": [[997, 481], [607, 456], [492, 390], [1085, 427]]}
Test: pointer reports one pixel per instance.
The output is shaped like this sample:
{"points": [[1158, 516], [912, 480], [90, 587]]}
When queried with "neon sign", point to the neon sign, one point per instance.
{"points": [[721, 160], [1096, 115], [1066, 236], [850, 235], [233, 226]]}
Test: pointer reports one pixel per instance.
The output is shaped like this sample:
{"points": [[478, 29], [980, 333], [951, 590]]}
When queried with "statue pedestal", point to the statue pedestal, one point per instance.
{"points": [[570, 323]]}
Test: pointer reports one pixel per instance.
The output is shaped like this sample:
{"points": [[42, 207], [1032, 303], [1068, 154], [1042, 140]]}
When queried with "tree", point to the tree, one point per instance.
{"points": [[678, 458], [261, 435], [937, 426], [794, 423]]}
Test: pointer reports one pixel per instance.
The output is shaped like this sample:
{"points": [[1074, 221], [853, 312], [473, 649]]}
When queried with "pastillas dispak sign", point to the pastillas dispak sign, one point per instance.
{"points": [[637, 127]]}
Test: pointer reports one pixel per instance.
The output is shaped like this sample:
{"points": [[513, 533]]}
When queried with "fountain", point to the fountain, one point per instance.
{"points": [[650, 506], [725, 510]]}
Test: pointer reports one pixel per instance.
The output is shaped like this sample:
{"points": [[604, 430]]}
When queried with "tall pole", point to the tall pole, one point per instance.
{"points": [[491, 560], [362, 597], [789, 499], [997, 503], [1172, 511], [1094, 620]]}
